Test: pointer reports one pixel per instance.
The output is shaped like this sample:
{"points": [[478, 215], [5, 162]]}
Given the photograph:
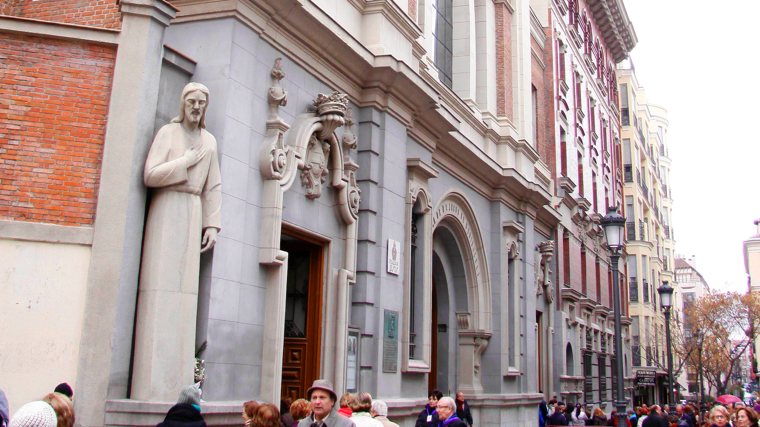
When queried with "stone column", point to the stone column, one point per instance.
{"points": [[105, 349]]}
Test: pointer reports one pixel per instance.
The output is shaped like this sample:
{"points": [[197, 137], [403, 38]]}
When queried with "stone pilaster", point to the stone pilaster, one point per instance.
{"points": [[105, 349]]}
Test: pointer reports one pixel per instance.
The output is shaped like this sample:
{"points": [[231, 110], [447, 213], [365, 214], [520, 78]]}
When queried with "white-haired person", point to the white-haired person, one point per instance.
{"points": [[379, 412], [360, 407], [447, 414]]}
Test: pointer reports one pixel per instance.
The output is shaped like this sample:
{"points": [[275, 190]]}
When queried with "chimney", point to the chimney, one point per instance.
{"points": [[757, 223], [693, 261]]}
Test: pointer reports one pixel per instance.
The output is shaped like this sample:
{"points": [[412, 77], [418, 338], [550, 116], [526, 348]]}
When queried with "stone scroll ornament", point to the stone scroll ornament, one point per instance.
{"points": [[183, 220]]}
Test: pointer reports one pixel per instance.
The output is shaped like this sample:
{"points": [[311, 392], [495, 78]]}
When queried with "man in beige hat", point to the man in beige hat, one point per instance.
{"points": [[323, 411]]}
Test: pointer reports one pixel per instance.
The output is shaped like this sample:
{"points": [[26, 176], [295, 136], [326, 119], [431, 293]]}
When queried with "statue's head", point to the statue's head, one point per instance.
{"points": [[193, 104]]}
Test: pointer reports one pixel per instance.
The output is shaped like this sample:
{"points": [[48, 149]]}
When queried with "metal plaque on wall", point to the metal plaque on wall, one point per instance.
{"points": [[390, 341]]}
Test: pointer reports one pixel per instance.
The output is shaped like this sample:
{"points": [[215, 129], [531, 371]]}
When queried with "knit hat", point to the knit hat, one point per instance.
{"points": [[190, 394], [35, 414], [64, 388]]}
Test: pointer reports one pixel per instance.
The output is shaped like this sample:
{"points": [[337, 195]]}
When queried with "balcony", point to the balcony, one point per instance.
{"points": [[665, 265], [638, 176], [667, 231], [625, 117], [665, 190], [642, 235], [645, 189], [633, 289], [630, 228], [628, 171]]}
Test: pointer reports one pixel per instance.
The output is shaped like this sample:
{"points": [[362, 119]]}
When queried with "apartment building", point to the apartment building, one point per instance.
{"points": [[691, 286], [589, 38], [647, 208]]}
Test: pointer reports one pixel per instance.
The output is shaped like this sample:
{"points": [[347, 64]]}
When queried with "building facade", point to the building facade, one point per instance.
{"points": [[587, 38], [648, 204], [388, 221], [691, 287], [752, 268]]}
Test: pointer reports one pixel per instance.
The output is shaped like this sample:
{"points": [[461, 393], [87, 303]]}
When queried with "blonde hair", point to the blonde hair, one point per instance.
{"points": [[188, 89], [719, 410], [598, 412], [64, 409]]}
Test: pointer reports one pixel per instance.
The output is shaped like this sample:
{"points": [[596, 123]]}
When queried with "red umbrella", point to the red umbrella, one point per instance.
{"points": [[727, 398]]}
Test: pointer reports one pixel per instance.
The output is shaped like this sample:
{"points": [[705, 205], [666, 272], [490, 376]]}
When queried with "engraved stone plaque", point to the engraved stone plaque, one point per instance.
{"points": [[390, 341]]}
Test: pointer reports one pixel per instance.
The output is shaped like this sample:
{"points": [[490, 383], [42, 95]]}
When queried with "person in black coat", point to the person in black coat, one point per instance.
{"points": [[463, 409], [447, 414], [558, 417], [655, 418], [187, 411], [429, 417]]}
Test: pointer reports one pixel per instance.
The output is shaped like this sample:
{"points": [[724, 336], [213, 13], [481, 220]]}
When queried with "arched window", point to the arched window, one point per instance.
{"points": [[569, 361], [444, 39]]}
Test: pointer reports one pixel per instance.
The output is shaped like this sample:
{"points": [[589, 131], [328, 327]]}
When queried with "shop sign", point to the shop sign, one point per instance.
{"points": [[645, 378]]}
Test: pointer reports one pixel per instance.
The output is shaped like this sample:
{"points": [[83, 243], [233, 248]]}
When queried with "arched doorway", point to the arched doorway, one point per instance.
{"points": [[461, 325]]}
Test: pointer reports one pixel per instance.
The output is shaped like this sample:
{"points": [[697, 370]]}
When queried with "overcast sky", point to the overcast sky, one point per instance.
{"points": [[700, 60]]}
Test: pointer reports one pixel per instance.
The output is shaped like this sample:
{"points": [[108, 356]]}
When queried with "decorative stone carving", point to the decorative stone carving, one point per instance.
{"points": [[463, 320], [183, 221], [315, 172], [313, 148], [273, 160], [332, 111], [547, 252]]}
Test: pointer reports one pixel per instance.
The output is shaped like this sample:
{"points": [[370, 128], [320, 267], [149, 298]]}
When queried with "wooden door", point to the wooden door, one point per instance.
{"points": [[303, 314]]}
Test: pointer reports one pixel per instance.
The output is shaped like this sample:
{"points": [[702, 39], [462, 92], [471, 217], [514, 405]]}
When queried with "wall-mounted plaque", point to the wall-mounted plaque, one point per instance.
{"points": [[394, 257], [390, 341], [352, 360]]}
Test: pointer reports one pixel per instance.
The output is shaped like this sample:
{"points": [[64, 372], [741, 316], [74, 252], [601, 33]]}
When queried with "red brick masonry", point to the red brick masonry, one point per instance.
{"points": [[92, 13], [53, 109]]}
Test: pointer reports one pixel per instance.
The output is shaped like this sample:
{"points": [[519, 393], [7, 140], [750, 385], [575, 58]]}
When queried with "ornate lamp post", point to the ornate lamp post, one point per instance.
{"points": [[666, 301], [614, 226]]}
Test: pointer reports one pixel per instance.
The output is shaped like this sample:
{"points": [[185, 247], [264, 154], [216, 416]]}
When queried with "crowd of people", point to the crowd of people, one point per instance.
{"points": [[321, 408], [557, 413]]}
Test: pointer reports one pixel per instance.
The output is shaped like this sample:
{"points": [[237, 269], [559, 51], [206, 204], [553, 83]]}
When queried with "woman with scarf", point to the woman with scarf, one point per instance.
{"points": [[428, 417]]}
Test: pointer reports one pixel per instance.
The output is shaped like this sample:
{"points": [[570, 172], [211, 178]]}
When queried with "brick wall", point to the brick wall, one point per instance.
{"points": [[413, 10], [8, 7], [543, 80], [53, 108], [93, 13], [503, 61]]}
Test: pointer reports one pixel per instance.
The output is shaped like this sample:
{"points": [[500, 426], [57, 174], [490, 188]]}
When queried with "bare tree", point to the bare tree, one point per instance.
{"points": [[721, 326]]}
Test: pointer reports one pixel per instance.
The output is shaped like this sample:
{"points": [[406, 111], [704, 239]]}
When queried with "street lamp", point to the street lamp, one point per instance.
{"points": [[666, 301], [614, 225]]}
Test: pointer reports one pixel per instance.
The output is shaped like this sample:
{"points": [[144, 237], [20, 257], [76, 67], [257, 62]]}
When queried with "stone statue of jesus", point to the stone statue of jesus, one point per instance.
{"points": [[183, 221]]}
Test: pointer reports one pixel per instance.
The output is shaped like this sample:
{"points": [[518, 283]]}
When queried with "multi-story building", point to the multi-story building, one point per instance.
{"points": [[752, 267], [691, 286], [589, 38], [385, 188], [647, 207]]}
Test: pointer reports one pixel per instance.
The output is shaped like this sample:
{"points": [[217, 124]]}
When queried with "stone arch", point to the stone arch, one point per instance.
{"points": [[455, 212], [457, 235]]}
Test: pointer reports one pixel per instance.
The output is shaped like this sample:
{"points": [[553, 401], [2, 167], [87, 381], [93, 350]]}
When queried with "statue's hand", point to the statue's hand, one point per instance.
{"points": [[194, 155], [209, 239]]}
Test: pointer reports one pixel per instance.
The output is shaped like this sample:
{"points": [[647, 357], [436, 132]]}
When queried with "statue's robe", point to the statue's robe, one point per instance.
{"points": [[186, 201]]}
